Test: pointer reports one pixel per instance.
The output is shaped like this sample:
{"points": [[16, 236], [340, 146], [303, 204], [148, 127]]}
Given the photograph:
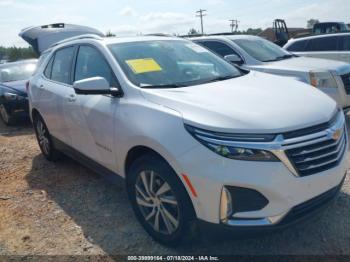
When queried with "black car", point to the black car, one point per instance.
{"points": [[13, 93]]}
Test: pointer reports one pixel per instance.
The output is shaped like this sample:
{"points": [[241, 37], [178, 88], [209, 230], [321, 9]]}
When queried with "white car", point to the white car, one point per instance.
{"points": [[256, 53], [197, 140], [329, 46]]}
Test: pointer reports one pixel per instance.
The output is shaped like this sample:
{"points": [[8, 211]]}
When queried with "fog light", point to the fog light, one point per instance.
{"points": [[225, 205]]}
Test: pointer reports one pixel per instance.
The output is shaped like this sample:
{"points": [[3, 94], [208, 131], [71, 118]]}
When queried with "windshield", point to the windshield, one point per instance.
{"points": [[262, 50], [17, 72], [170, 63]]}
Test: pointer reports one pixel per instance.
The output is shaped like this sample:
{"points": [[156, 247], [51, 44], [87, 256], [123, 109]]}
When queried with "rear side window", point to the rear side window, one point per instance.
{"points": [[345, 43], [62, 63], [219, 48], [48, 68], [322, 44], [91, 63], [298, 46]]}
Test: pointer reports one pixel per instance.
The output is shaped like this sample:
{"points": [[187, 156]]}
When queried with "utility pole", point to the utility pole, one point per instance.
{"points": [[234, 25], [201, 13]]}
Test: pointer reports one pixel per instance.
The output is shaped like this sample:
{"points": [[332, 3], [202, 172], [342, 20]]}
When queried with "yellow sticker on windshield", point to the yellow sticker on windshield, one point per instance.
{"points": [[145, 65]]}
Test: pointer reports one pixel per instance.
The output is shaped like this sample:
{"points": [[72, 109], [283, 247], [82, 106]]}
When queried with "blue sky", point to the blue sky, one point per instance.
{"points": [[153, 16]]}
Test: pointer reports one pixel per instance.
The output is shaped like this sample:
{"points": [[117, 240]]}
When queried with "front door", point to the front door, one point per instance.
{"points": [[91, 118]]}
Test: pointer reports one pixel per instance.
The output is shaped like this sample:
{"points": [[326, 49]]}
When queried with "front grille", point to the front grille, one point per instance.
{"points": [[346, 82], [317, 157]]}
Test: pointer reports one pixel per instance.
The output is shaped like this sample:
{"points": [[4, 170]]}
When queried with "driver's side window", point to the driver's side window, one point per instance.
{"points": [[219, 48], [91, 63]]}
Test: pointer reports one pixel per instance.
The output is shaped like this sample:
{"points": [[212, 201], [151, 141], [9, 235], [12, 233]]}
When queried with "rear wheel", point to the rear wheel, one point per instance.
{"points": [[5, 115], [44, 139], [160, 201]]}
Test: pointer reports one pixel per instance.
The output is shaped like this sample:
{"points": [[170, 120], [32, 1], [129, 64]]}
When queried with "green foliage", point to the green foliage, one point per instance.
{"points": [[250, 31], [312, 22], [110, 34], [193, 31], [16, 53]]}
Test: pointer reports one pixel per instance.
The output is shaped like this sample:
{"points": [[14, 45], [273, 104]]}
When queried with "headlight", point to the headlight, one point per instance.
{"points": [[232, 145], [12, 96], [322, 79]]}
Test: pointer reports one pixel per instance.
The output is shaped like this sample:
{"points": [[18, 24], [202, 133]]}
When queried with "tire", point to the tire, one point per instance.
{"points": [[6, 116], [180, 226], [44, 139]]}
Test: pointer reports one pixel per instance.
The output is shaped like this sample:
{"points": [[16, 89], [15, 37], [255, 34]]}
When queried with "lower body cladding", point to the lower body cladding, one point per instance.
{"points": [[255, 195]]}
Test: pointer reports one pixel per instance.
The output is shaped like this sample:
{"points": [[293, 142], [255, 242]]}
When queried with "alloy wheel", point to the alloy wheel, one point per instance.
{"points": [[4, 114], [157, 202], [43, 137]]}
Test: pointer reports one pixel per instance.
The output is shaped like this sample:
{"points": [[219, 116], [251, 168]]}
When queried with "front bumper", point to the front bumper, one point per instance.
{"points": [[308, 210]]}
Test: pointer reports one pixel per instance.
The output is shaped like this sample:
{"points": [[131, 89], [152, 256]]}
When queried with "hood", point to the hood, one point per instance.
{"points": [[19, 86], [306, 64], [254, 103]]}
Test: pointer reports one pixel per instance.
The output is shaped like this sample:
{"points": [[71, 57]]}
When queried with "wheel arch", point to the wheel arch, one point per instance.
{"points": [[34, 113], [138, 151]]}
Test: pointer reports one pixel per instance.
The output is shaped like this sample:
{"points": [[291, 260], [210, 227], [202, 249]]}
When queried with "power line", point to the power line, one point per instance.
{"points": [[201, 13], [234, 25]]}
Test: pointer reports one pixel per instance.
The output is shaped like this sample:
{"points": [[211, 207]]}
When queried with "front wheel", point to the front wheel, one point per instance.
{"points": [[5, 115], [44, 139], [160, 201]]}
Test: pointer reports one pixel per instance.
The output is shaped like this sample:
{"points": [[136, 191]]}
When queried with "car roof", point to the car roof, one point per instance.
{"points": [[115, 40], [318, 36], [225, 37], [110, 40]]}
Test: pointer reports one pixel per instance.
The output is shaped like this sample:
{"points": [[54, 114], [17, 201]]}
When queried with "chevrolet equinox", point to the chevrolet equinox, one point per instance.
{"points": [[197, 141]]}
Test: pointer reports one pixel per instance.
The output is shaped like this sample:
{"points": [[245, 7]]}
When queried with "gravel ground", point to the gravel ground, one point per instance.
{"points": [[65, 209]]}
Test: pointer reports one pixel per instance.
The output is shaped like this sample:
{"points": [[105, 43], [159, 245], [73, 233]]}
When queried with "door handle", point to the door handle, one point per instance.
{"points": [[41, 87], [71, 98]]}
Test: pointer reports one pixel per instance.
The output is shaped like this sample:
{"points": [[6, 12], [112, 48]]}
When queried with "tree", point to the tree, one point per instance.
{"points": [[193, 32], [17, 53], [110, 34], [312, 22]]}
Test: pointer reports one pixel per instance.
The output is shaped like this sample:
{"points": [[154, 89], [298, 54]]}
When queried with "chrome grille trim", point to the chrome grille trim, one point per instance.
{"points": [[318, 154], [339, 147], [327, 162]]}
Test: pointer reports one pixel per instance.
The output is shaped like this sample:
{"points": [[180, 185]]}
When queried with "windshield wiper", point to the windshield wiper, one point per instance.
{"points": [[161, 86], [279, 58], [220, 78]]}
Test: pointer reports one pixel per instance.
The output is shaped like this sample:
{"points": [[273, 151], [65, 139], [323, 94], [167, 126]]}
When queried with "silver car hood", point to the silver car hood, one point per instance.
{"points": [[255, 103], [305, 64]]}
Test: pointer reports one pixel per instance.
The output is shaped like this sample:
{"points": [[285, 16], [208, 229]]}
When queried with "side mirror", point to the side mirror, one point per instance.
{"points": [[95, 86], [235, 59]]}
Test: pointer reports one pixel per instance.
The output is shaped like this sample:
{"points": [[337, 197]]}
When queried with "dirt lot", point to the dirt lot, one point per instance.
{"points": [[63, 208]]}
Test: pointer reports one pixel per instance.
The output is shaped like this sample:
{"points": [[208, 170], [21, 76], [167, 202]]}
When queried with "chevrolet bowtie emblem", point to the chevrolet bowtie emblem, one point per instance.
{"points": [[337, 134]]}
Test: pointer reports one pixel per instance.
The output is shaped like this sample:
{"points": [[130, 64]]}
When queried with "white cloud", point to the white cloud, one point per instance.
{"points": [[128, 11]]}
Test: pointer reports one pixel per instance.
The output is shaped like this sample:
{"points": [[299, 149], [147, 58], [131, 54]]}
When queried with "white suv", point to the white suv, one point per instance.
{"points": [[256, 53], [195, 138]]}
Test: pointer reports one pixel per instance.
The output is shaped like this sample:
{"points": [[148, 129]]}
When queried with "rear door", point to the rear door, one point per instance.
{"points": [[53, 89], [91, 118], [344, 48]]}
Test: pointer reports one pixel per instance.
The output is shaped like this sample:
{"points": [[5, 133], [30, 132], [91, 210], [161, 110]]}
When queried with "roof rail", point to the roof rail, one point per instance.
{"points": [[302, 35], [86, 36]]}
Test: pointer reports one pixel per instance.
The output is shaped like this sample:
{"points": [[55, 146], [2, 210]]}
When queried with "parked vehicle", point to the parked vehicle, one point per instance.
{"points": [[13, 93], [331, 46], [256, 53], [196, 139], [330, 27]]}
